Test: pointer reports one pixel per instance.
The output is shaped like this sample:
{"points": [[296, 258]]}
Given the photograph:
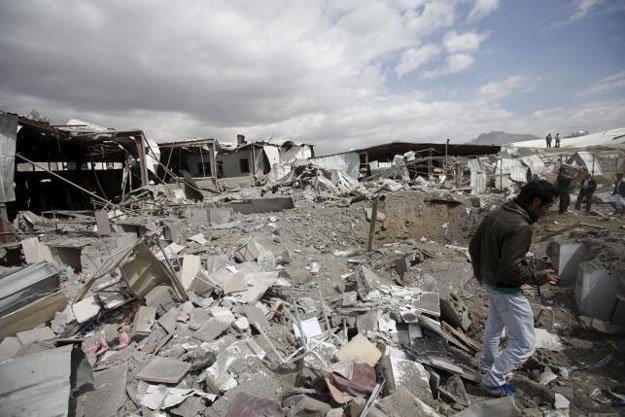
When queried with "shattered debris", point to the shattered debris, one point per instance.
{"points": [[206, 297]]}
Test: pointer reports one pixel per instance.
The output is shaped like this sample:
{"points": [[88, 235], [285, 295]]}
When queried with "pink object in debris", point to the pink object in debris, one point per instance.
{"points": [[124, 339], [103, 347], [183, 318]]}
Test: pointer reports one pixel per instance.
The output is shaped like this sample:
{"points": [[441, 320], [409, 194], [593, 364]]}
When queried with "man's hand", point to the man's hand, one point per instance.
{"points": [[550, 276]]}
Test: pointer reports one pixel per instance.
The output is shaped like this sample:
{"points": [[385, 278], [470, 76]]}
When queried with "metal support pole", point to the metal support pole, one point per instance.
{"points": [[373, 220]]}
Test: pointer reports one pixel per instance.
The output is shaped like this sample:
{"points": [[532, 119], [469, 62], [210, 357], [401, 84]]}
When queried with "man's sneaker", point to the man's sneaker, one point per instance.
{"points": [[505, 390]]}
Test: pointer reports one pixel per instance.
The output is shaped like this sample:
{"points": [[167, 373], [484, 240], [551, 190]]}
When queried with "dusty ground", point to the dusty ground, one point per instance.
{"points": [[333, 235], [313, 232]]}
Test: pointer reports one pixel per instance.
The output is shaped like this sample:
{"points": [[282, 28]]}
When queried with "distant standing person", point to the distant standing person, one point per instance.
{"points": [[586, 190], [548, 140], [498, 252], [557, 140], [617, 201], [563, 185]]}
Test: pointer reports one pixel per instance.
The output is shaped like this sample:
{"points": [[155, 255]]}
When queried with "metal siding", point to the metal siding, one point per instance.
{"points": [[8, 137], [348, 162]]}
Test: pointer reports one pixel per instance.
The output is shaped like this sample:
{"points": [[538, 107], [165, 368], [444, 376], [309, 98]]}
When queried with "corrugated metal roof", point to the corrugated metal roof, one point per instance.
{"points": [[587, 160]]}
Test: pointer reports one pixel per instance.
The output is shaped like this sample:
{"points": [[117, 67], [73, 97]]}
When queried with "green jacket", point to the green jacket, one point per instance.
{"points": [[499, 247]]}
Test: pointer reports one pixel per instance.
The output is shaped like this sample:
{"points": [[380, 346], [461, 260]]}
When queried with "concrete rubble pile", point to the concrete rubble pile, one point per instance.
{"points": [[183, 302]]}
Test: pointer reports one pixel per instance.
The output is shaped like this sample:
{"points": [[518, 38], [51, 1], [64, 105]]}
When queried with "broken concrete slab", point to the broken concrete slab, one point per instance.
{"points": [[222, 314], [256, 317], [404, 403], [211, 330], [263, 205], [169, 319], [596, 290], [36, 251], [301, 405], [249, 252], [219, 216], [161, 298], [566, 256], [191, 265], [109, 394], [500, 407], [359, 348], [9, 347], [246, 405], [86, 309], [258, 283], [164, 370], [409, 374], [144, 320], [218, 379], [35, 335], [367, 281]]}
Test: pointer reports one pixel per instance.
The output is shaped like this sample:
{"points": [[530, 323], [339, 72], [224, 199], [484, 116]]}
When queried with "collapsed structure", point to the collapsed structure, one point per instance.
{"points": [[280, 283]]}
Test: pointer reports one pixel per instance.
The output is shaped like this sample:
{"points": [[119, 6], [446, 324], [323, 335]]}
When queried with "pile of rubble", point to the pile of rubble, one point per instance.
{"points": [[247, 306]]}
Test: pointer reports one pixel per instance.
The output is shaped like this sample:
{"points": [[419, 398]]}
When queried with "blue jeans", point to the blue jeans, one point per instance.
{"points": [[514, 313]]}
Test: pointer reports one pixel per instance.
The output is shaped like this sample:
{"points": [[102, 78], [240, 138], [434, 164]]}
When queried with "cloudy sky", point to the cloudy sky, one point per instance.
{"points": [[336, 73]]}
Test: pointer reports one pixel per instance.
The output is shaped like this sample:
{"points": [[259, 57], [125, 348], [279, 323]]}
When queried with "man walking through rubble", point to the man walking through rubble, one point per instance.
{"points": [[586, 190], [498, 254]]}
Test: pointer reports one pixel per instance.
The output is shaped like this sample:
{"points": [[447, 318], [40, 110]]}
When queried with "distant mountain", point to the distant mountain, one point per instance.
{"points": [[501, 138]]}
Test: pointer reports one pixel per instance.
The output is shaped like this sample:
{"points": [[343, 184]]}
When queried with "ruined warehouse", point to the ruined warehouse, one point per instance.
{"points": [[199, 277]]}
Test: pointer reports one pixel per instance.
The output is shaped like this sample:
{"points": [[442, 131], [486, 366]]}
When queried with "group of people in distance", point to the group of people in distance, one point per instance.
{"points": [[548, 139], [587, 188]]}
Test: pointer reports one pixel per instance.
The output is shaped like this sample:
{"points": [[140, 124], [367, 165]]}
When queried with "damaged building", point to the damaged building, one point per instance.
{"points": [[229, 165], [106, 162], [329, 286]]}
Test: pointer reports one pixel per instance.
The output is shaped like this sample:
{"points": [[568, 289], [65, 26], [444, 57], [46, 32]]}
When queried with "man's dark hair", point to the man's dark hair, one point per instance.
{"points": [[537, 189]]}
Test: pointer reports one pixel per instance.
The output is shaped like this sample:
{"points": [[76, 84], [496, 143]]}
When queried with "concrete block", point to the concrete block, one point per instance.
{"points": [[86, 309], [566, 257], [191, 265], [211, 330], [161, 298], [359, 348], [411, 375], [168, 320], [301, 405], [35, 335], [164, 370], [219, 215], [9, 347], [596, 289], [144, 320], [263, 205]]}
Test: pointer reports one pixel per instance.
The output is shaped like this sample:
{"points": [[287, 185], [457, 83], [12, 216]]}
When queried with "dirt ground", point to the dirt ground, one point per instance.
{"points": [[315, 232]]}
